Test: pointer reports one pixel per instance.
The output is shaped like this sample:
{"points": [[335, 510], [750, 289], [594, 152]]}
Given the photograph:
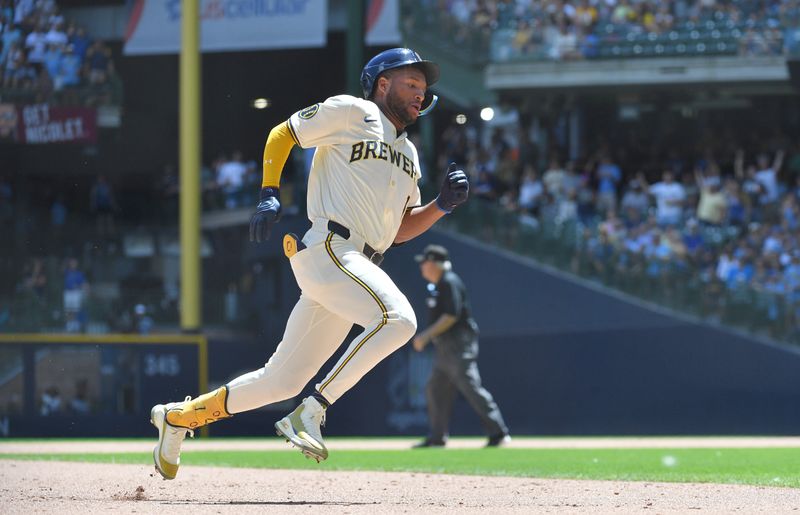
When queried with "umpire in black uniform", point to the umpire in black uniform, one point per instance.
{"points": [[455, 336]]}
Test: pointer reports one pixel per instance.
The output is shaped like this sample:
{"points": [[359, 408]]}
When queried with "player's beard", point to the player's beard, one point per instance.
{"points": [[400, 109]]}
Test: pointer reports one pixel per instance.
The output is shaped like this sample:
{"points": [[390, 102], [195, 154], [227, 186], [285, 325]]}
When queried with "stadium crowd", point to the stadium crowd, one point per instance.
{"points": [[44, 54], [578, 29], [715, 233]]}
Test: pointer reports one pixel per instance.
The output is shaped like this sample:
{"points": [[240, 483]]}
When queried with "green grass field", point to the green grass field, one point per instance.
{"points": [[762, 466]]}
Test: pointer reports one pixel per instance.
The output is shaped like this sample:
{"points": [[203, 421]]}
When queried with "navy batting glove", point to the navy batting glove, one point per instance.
{"points": [[268, 213], [454, 190]]}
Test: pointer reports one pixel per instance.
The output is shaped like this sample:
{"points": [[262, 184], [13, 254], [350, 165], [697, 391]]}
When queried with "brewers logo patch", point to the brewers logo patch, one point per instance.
{"points": [[309, 112]]}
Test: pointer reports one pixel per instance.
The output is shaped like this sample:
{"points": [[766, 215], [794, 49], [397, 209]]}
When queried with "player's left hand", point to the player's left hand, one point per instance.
{"points": [[268, 213], [419, 343], [454, 190]]}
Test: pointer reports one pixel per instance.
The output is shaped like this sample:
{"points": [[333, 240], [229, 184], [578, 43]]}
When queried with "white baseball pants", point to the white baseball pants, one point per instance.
{"points": [[340, 286]]}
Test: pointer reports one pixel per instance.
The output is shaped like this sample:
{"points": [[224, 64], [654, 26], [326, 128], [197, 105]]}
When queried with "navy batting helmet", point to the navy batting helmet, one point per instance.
{"points": [[396, 58]]}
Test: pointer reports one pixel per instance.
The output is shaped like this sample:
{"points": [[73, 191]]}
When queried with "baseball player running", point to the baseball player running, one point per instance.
{"points": [[362, 198]]}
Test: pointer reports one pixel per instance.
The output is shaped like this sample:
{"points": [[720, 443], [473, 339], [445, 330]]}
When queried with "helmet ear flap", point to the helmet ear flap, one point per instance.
{"points": [[429, 105]]}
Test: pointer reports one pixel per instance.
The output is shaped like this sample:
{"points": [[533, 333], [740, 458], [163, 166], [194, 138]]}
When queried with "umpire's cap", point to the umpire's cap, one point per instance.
{"points": [[397, 58], [433, 253]]}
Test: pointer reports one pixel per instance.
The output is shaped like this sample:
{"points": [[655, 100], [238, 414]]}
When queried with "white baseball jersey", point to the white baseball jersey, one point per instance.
{"points": [[364, 175]]}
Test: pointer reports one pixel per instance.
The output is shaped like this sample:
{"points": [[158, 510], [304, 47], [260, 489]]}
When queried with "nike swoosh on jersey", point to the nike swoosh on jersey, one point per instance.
{"points": [[367, 119]]}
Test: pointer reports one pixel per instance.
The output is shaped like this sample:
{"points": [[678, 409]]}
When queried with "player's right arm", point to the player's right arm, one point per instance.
{"points": [[321, 124], [268, 212]]}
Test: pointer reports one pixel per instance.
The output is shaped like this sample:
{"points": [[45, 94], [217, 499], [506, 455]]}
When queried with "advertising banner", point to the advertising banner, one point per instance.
{"points": [[41, 123], [383, 23], [154, 26]]}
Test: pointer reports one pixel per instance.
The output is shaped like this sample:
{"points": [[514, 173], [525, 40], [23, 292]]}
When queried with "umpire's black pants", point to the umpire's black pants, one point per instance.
{"points": [[453, 373]]}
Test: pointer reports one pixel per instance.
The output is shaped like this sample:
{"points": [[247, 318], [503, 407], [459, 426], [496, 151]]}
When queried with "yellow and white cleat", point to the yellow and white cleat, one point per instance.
{"points": [[175, 419], [302, 429], [167, 453]]}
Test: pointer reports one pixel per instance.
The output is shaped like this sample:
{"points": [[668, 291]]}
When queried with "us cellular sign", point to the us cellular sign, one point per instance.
{"points": [[228, 25]]}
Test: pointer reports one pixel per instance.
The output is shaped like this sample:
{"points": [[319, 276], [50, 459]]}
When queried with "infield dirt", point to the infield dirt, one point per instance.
{"points": [[59, 487]]}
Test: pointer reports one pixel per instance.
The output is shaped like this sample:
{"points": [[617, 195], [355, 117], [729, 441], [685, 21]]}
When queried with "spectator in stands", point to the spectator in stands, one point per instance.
{"points": [[142, 322], [767, 176], [7, 11], [753, 42], [691, 193], [663, 18], [505, 173], [208, 185], [98, 61], [524, 37], [485, 186], [11, 35], [693, 239], [35, 280], [752, 189], [103, 205], [75, 286], [741, 271], [23, 10], [80, 41], [601, 254], [69, 69], [35, 44], [80, 404], [554, 179], [564, 43], [790, 215], [669, 196], [14, 63], [635, 203], [608, 177], [51, 403], [46, 7], [52, 62], [737, 203], [712, 207], [623, 13], [53, 15], [567, 210], [56, 35], [231, 177], [27, 74]]}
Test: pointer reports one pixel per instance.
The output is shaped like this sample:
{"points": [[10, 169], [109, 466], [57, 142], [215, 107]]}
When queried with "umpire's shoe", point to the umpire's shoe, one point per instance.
{"points": [[302, 428], [428, 442], [175, 419], [499, 440]]}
